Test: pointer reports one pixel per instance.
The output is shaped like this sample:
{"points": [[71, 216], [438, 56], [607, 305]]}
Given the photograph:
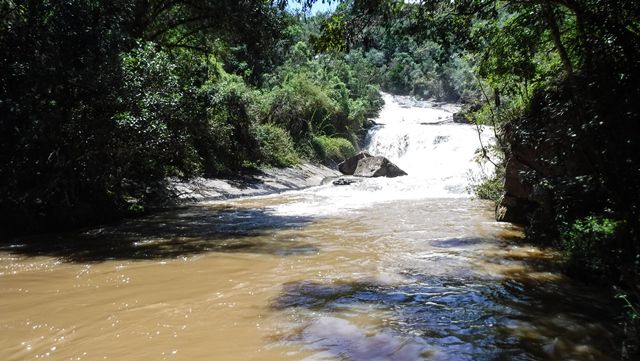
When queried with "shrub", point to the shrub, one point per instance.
{"points": [[300, 106], [226, 140], [150, 103], [276, 145], [335, 149], [587, 243], [487, 186]]}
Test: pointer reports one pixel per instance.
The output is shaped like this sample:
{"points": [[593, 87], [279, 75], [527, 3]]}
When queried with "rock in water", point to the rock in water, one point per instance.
{"points": [[349, 165], [377, 167], [343, 182], [461, 118]]}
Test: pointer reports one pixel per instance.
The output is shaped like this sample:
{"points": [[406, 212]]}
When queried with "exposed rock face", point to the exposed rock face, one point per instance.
{"points": [[516, 204], [514, 210], [266, 181], [377, 167], [349, 165], [514, 182], [528, 165]]}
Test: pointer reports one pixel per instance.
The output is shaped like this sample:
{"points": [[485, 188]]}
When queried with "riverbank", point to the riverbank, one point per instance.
{"points": [[171, 193], [261, 182]]}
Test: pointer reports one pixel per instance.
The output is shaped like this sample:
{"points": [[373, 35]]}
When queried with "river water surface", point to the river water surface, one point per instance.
{"points": [[407, 268]]}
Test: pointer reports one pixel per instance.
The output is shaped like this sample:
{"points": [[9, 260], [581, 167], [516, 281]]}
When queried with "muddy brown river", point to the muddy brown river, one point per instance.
{"points": [[409, 268]]}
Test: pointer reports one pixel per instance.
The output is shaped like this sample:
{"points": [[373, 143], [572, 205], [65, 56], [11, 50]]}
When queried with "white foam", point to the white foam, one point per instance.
{"points": [[437, 154]]}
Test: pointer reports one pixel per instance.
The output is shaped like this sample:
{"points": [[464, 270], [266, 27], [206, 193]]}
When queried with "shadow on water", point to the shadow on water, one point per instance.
{"points": [[457, 242], [183, 232], [517, 317]]}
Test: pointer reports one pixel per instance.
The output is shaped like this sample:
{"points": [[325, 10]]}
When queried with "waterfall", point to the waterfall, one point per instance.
{"points": [[422, 139]]}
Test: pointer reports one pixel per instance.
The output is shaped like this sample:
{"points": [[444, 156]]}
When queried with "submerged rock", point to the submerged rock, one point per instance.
{"points": [[369, 123], [377, 167], [350, 164], [343, 182], [464, 116], [461, 118]]}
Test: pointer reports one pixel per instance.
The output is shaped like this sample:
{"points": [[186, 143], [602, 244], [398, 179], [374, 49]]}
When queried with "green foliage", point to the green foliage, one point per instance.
{"points": [[181, 115], [328, 95], [58, 89], [417, 68], [136, 208], [633, 312], [588, 241], [301, 106], [245, 34], [579, 153], [488, 186], [100, 101], [151, 104], [404, 60], [333, 34], [276, 146], [229, 140], [514, 40], [334, 149]]}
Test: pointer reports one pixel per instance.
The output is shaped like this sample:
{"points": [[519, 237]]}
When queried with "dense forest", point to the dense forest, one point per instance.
{"points": [[102, 101]]}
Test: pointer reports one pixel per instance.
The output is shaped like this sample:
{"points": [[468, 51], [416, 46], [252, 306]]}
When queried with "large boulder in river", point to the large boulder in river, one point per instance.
{"points": [[461, 118], [350, 164], [377, 167]]}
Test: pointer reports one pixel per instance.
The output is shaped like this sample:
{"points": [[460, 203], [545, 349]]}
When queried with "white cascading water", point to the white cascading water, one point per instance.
{"points": [[422, 139]]}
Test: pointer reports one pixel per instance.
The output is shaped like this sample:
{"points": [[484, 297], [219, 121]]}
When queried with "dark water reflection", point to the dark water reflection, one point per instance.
{"points": [[183, 232], [517, 316], [467, 319]]}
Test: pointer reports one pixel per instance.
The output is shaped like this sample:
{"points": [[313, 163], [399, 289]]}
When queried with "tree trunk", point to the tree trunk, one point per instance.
{"points": [[550, 17]]}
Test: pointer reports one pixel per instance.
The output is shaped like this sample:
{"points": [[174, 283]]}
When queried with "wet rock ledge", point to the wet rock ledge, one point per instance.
{"points": [[265, 181]]}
